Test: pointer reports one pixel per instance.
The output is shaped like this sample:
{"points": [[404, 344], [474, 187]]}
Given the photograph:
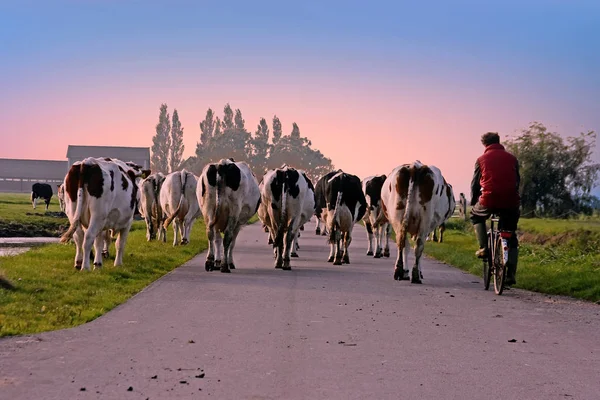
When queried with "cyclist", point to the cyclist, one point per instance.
{"points": [[495, 190]]}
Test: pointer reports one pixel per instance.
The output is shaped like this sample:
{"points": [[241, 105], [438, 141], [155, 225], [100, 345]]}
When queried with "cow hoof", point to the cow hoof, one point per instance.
{"points": [[78, 265], [209, 265], [217, 265], [184, 242], [330, 259], [317, 231], [286, 268], [270, 241], [405, 276], [105, 254], [232, 266], [324, 233], [225, 270], [416, 277], [337, 262], [377, 255], [295, 255], [369, 253], [386, 253], [346, 259], [398, 274]]}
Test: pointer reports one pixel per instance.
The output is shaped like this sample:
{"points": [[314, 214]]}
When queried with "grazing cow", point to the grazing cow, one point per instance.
{"points": [[321, 202], [99, 195], [229, 196], [41, 191], [180, 204], [416, 199], [374, 218], [282, 210], [150, 208], [346, 205]]}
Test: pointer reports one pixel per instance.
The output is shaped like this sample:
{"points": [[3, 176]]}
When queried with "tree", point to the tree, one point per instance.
{"points": [[277, 132], [161, 142], [207, 126], [557, 176], [177, 146], [260, 148], [227, 117], [238, 120]]}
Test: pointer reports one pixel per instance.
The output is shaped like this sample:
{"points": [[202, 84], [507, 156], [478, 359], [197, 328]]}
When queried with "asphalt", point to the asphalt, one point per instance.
{"points": [[316, 332]]}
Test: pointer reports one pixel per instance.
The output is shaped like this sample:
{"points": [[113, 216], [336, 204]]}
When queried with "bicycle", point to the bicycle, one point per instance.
{"points": [[497, 258]]}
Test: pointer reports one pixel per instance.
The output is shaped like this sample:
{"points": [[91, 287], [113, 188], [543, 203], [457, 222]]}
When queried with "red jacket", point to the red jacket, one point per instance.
{"points": [[496, 179]]}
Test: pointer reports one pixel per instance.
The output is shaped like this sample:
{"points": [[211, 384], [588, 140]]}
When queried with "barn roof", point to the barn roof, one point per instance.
{"points": [[12, 168], [122, 153]]}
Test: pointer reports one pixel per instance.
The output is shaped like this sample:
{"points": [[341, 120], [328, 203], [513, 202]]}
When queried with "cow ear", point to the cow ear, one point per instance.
{"points": [[146, 173], [231, 159]]}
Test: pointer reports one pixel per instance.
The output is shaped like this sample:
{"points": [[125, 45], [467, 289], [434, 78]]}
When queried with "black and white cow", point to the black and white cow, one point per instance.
{"points": [[416, 200], [229, 196], [321, 202], [99, 195], [180, 204], [346, 205], [374, 219], [41, 191], [150, 207], [282, 210]]}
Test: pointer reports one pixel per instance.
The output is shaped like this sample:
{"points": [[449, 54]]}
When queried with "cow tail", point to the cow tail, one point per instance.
{"points": [[336, 221], [183, 177], [407, 211], [283, 215], [219, 195], [76, 222]]}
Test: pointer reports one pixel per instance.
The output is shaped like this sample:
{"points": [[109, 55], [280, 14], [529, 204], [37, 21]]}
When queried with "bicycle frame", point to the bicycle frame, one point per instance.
{"points": [[496, 266]]}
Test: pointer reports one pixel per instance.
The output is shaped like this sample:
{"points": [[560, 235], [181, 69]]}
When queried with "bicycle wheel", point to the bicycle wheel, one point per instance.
{"points": [[487, 265], [499, 266]]}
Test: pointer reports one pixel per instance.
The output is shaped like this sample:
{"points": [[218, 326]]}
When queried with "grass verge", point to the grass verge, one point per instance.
{"points": [[50, 294], [556, 256], [18, 218]]}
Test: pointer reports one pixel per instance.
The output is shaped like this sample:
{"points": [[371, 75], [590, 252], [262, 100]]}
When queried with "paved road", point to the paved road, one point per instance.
{"points": [[316, 332]]}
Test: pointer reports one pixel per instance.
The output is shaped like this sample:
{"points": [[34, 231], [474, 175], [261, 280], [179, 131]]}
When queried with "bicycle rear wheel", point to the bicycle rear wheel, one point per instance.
{"points": [[487, 265], [499, 266]]}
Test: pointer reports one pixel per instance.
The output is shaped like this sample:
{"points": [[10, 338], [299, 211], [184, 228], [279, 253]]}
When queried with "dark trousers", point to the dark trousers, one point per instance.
{"points": [[508, 219]]}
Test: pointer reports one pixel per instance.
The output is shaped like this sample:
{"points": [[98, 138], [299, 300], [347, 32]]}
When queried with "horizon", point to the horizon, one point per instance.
{"points": [[370, 89]]}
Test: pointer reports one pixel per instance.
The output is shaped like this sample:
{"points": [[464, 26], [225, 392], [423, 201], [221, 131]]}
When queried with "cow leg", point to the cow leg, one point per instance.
{"points": [[227, 241], [331, 252], [98, 244], [209, 264], [318, 227], [378, 233], [347, 241], [338, 248], [149, 228], [120, 245], [78, 239], [442, 229], [218, 249], [176, 231], [288, 243], [236, 231], [416, 270], [386, 233], [295, 246], [107, 239], [401, 271], [47, 201], [369, 228], [94, 229], [187, 228]]}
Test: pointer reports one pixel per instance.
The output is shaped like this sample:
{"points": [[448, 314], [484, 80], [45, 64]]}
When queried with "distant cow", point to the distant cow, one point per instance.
{"points": [[41, 191], [229, 196], [150, 208], [321, 202], [416, 200], [60, 193], [180, 204], [282, 210], [99, 195], [346, 205], [374, 218]]}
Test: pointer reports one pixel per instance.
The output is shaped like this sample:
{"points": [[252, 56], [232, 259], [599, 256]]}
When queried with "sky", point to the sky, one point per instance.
{"points": [[372, 84]]}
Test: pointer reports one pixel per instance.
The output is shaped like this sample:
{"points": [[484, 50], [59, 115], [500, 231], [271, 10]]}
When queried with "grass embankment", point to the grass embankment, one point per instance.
{"points": [[18, 218], [50, 294], [556, 256]]}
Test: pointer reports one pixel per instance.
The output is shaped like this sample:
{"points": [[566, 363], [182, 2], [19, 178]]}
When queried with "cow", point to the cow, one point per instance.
{"points": [[179, 204], [150, 208], [374, 218], [99, 195], [282, 210], [321, 202], [416, 199], [41, 191], [60, 193], [229, 196], [346, 205]]}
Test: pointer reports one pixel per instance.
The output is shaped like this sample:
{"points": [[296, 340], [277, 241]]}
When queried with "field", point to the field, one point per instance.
{"points": [[556, 256], [18, 218], [51, 294]]}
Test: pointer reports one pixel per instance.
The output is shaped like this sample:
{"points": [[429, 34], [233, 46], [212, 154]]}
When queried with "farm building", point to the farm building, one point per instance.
{"points": [[138, 155], [18, 175]]}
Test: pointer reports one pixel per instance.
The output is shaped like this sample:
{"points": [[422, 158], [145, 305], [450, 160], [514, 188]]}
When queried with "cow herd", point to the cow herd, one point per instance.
{"points": [[101, 195]]}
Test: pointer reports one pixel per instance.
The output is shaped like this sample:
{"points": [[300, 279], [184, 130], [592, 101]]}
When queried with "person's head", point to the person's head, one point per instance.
{"points": [[490, 138]]}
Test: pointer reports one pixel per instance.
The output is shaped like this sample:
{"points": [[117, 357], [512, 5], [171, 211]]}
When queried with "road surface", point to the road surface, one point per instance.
{"points": [[316, 332]]}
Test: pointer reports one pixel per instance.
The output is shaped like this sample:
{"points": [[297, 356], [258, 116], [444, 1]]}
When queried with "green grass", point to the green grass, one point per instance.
{"points": [[18, 218], [51, 294], [556, 256]]}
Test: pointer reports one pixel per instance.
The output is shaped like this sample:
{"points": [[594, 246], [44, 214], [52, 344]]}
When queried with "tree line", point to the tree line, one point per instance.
{"points": [[557, 174], [228, 137]]}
